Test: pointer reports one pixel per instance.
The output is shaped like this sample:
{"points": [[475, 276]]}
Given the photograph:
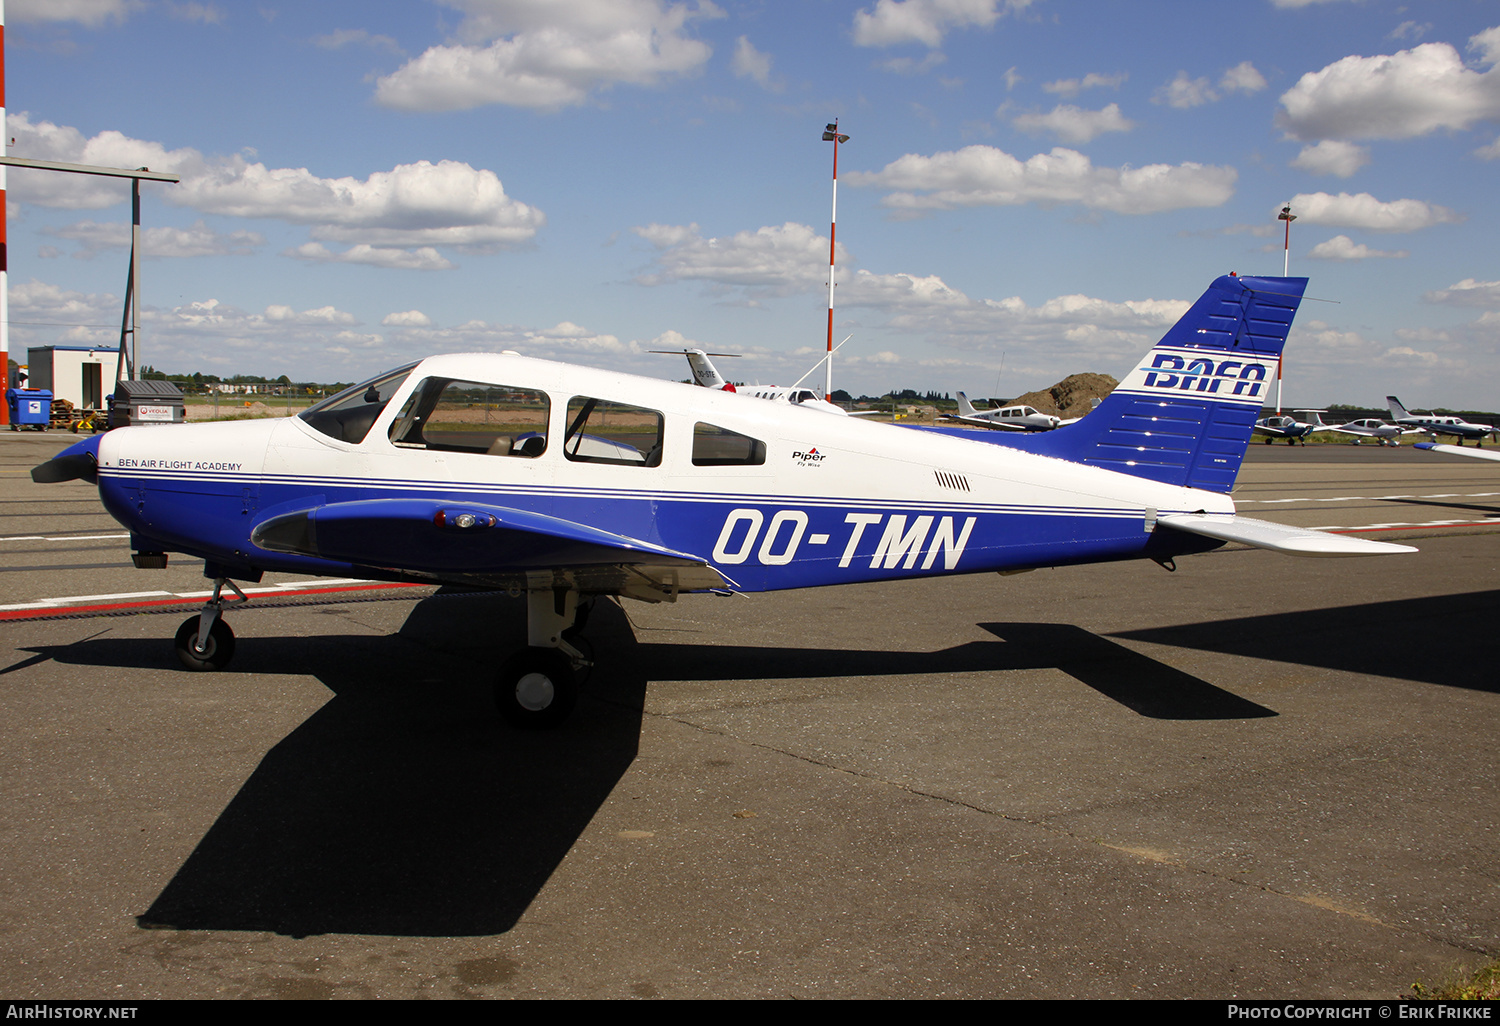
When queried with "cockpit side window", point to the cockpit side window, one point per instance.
{"points": [[720, 447], [470, 416], [349, 415], [602, 431]]}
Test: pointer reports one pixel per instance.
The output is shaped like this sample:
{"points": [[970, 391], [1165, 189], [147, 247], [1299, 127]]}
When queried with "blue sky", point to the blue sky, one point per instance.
{"points": [[1031, 189]]}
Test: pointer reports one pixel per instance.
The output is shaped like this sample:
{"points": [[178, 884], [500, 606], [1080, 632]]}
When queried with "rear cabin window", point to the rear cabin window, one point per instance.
{"points": [[720, 447], [349, 415], [470, 416], [602, 431]]}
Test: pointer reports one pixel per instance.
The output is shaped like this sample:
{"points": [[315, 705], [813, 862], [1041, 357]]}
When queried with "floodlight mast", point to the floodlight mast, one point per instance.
{"points": [[1286, 257], [130, 318], [831, 134], [1286, 263]]}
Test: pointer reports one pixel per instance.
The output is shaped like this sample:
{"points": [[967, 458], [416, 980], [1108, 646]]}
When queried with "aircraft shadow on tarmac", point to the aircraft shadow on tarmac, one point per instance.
{"points": [[1443, 639], [402, 808]]}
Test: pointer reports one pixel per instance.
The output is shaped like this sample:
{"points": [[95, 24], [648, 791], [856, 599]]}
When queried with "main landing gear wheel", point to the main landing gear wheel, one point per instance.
{"points": [[216, 651], [537, 689]]}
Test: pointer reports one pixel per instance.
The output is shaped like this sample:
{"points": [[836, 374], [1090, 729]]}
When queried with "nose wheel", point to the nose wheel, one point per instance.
{"points": [[205, 642], [213, 652], [538, 686], [537, 689]]}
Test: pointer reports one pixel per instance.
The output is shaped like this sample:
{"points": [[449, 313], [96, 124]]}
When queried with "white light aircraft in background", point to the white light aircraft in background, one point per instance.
{"points": [[1383, 432], [1439, 424], [1009, 418], [708, 376], [565, 483]]}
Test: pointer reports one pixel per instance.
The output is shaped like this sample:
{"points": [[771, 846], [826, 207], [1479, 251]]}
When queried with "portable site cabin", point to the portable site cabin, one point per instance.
{"points": [[75, 373]]}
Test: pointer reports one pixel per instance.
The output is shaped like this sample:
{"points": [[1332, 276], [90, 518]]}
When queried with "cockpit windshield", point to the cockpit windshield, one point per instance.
{"points": [[349, 415]]}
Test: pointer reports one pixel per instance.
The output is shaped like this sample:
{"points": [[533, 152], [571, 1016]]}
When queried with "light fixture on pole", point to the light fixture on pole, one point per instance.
{"points": [[831, 134]]}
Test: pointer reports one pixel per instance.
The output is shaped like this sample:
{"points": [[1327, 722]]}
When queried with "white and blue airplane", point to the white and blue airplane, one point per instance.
{"points": [[1439, 424], [565, 483], [1293, 430]]}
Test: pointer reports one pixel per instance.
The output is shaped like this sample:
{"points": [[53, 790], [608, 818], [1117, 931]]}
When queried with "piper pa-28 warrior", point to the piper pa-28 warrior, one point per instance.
{"points": [[500, 471], [1008, 418]]}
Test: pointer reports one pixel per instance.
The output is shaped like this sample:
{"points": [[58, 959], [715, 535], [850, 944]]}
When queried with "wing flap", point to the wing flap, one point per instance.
{"points": [[480, 543], [1294, 541]]}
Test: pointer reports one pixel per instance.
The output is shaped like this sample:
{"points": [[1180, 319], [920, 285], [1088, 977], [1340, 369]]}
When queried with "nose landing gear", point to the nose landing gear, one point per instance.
{"points": [[205, 642], [538, 686]]}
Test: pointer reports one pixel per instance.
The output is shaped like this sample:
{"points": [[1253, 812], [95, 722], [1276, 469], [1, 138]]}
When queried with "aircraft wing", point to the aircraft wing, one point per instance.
{"points": [[1293, 541], [475, 543], [1458, 450]]}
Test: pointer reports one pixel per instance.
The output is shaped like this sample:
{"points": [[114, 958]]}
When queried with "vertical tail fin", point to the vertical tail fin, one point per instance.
{"points": [[1184, 415], [1398, 412], [965, 408]]}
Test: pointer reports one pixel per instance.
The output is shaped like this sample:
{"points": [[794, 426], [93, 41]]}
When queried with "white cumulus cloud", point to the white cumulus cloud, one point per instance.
{"points": [[1469, 292], [1365, 212], [985, 176], [406, 319], [423, 258], [776, 260], [198, 240], [1242, 78], [1074, 124], [1332, 157], [1184, 92], [423, 204], [748, 62], [548, 54], [926, 21], [1068, 88], [87, 12], [1341, 247], [1395, 96]]}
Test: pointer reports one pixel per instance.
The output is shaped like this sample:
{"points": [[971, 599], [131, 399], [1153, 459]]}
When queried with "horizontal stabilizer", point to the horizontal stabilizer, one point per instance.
{"points": [[467, 541], [1294, 541]]}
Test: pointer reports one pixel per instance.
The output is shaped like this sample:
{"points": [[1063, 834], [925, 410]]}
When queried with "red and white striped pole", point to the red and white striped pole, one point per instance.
{"points": [[4, 278], [1286, 263], [1286, 254], [830, 134]]}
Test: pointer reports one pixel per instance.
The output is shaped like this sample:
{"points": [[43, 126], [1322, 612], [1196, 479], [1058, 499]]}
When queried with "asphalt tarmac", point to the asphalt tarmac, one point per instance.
{"points": [[1256, 777]]}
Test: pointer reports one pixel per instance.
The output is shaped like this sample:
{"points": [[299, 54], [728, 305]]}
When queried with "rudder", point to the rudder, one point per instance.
{"points": [[1184, 415]]}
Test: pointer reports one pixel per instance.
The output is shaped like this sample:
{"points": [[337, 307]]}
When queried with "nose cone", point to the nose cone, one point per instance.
{"points": [[77, 462]]}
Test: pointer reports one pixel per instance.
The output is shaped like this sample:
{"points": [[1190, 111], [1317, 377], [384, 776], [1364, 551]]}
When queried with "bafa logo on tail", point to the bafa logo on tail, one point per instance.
{"points": [[1239, 378]]}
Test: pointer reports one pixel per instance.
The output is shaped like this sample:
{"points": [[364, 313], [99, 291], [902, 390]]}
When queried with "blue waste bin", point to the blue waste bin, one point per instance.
{"points": [[29, 407]]}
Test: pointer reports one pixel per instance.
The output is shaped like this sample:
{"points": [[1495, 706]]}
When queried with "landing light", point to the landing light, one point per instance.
{"points": [[462, 519]]}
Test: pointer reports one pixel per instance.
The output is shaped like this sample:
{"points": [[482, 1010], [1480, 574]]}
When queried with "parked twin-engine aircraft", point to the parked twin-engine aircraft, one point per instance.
{"points": [[1435, 424], [568, 483], [1008, 418]]}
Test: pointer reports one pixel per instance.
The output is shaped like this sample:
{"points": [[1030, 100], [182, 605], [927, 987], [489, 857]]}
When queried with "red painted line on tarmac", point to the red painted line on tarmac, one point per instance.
{"points": [[46, 612]]}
